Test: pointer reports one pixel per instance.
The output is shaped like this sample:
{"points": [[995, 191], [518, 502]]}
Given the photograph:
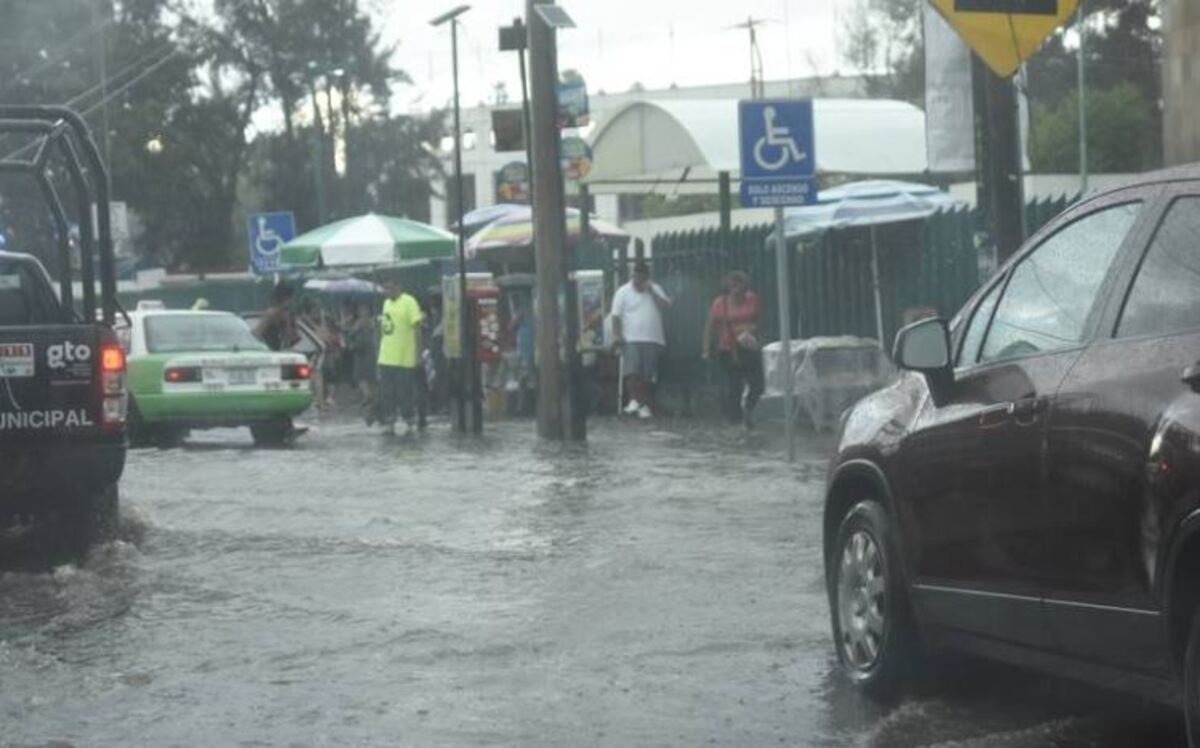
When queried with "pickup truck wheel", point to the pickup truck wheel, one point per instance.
{"points": [[140, 433], [272, 433], [1191, 681], [872, 623], [93, 518]]}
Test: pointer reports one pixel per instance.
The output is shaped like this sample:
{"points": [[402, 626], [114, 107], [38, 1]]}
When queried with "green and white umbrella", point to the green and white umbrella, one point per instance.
{"points": [[368, 240]]}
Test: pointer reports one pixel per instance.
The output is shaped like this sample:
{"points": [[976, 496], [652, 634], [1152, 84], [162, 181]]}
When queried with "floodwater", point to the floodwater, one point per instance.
{"points": [[660, 586]]}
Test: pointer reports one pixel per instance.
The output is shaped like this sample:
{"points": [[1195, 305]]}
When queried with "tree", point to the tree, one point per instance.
{"points": [[1119, 120], [327, 71], [1123, 62], [181, 96], [883, 40]]}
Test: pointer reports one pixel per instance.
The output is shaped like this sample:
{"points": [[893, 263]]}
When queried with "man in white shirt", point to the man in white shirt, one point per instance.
{"points": [[637, 309]]}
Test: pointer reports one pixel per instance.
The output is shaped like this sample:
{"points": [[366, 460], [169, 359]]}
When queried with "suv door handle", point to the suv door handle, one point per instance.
{"points": [[1025, 412]]}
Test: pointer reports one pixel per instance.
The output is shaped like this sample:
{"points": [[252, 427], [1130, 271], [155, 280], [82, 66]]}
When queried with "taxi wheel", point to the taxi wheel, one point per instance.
{"points": [[272, 433]]}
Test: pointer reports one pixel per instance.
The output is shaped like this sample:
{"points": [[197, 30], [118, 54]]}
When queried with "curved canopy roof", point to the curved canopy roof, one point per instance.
{"points": [[694, 139]]}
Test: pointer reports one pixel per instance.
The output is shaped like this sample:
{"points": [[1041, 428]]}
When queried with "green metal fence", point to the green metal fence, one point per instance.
{"points": [[928, 265]]}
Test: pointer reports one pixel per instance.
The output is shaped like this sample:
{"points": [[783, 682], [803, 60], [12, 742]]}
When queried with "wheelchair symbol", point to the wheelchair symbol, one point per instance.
{"points": [[778, 138], [267, 242]]}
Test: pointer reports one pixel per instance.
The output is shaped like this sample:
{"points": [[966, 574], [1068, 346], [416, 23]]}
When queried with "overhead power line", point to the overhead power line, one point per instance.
{"points": [[146, 60], [113, 93], [57, 55]]}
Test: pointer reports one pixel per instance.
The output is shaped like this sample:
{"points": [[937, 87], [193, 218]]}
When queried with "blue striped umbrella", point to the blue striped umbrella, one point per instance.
{"points": [[869, 203]]}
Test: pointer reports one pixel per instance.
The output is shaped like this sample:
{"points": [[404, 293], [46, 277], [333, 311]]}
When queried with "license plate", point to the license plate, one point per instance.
{"points": [[243, 376]]}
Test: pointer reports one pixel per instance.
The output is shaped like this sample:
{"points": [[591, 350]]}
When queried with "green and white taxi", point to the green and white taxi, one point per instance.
{"points": [[201, 369]]}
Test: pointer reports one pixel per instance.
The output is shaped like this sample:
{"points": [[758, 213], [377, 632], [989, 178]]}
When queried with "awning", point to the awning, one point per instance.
{"points": [[691, 140]]}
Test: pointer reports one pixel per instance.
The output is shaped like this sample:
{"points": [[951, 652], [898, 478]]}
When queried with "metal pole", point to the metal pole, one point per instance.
{"points": [[528, 133], [1002, 162], [466, 394], [1083, 126], [878, 293], [785, 332], [725, 208]]}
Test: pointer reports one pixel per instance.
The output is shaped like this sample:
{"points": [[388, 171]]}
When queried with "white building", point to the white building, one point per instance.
{"points": [[482, 160]]}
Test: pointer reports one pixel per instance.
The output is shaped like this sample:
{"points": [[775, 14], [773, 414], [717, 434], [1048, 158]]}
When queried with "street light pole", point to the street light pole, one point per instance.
{"points": [[1083, 125], [470, 415], [514, 39]]}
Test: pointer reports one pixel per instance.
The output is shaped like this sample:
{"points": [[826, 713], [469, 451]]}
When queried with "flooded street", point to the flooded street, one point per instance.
{"points": [[660, 586]]}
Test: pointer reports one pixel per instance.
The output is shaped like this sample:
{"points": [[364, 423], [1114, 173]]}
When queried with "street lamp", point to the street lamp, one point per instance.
{"points": [[467, 394], [515, 38]]}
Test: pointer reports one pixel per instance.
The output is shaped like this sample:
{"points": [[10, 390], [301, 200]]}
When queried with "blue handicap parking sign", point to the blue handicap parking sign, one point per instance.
{"points": [[778, 154], [267, 232]]}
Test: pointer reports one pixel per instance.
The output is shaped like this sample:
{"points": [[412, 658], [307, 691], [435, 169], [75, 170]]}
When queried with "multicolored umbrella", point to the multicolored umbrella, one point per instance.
{"points": [[515, 230], [368, 240], [480, 217]]}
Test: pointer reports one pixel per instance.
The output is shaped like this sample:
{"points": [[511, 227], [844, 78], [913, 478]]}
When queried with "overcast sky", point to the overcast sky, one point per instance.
{"points": [[617, 43]]}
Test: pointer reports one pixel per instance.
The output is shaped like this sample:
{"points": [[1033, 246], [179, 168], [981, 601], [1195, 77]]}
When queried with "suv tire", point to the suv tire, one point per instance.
{"points": [[873, 628], [1191, 680]]}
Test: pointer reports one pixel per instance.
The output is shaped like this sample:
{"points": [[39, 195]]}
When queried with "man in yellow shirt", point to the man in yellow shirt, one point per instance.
{"points": [[399, 357]]}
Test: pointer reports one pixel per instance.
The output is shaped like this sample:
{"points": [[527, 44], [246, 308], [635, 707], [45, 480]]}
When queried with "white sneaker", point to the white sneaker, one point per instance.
{"points": [[644, 412], [632, 408]]}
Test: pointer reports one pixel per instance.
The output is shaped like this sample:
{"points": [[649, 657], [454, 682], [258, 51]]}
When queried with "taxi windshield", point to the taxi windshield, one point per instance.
{"points": [[177, 333]]}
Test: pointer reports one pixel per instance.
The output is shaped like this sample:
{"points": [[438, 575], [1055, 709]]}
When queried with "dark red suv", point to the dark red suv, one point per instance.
{"points": [[1029, 490]]}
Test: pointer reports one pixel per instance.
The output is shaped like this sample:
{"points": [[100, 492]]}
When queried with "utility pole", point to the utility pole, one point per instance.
{"points": [[1001, 168], [469, 416], [550, 230], [757, 83]]}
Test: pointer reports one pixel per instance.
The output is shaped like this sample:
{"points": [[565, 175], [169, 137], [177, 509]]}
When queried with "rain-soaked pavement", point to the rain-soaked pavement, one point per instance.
{"points": [[661, 586]]}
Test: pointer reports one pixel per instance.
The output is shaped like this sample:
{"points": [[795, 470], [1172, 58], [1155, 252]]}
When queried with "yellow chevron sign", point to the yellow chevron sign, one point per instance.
{"points": [[1005, 33]]}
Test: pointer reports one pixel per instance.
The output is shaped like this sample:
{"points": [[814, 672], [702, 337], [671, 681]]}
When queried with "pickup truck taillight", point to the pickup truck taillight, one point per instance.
{"points": [[112, 385]]}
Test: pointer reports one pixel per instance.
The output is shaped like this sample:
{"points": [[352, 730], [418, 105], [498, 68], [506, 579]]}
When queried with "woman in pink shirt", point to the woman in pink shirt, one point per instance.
{"points": [[734, 317]]}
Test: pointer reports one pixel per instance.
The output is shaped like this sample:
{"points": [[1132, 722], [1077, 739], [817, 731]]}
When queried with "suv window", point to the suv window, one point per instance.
{"points": [[969, 353], [1166, 294], [1046, 304]]}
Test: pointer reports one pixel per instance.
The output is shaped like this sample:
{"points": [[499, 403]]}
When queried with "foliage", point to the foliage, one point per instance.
{"points": [[1120, 120], [1122, 61], [188, 96], [883, 38], [1123, 48]]}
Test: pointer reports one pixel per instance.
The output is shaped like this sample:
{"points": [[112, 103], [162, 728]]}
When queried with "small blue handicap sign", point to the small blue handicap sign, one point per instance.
{"points": [[778, 154], [267, 232]]}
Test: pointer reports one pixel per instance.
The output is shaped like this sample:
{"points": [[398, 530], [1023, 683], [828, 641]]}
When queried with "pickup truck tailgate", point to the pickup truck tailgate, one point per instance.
{"points": [[49, 384]]}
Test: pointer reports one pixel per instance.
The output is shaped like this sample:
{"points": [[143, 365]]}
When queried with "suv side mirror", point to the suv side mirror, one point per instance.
{"points": [[924, 347]]}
